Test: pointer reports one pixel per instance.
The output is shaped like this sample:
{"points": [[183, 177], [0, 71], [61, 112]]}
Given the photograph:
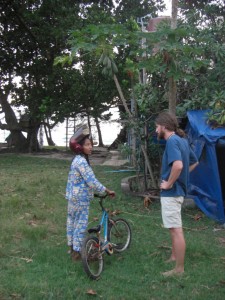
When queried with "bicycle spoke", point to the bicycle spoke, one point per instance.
{"points": [[120, 234]]}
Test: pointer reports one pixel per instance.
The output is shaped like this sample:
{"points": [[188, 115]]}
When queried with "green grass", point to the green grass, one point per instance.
{"points": [[33, 253]]}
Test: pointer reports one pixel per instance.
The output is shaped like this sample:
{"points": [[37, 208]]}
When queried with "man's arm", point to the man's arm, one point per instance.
{"points": [[193, 166], [174, 174], [193, 160]]}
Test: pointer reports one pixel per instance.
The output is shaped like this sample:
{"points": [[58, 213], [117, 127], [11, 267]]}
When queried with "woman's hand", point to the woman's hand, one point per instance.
{"points": [[110, 193]]}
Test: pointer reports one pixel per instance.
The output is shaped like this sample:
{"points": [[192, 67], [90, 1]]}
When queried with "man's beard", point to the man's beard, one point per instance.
{"points": [[160, 136]]}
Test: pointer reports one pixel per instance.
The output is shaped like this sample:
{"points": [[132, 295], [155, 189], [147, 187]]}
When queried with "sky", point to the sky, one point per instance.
{"points": [[167, 12], [109, 130]]}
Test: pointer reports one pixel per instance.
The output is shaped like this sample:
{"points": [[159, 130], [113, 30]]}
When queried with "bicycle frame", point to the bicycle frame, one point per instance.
{"points": [[116, 236], [104, 245], [104, 223]]}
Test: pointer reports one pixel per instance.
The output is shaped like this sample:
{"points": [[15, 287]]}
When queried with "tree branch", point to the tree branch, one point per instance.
{"points": [[121, 95], [9, 127], [24, 25]]}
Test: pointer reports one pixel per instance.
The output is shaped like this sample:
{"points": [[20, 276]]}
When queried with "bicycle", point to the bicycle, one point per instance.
{"points": [[116, 237]]}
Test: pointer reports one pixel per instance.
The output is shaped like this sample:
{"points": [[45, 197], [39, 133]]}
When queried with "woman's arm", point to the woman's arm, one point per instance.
{"points": [[89, 177]]}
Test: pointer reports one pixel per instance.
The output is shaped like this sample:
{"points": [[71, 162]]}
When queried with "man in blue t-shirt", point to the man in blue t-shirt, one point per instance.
{"points": [[178, 160]]}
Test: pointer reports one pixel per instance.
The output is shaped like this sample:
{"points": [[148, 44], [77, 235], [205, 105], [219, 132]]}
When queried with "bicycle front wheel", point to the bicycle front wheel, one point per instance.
{"points": [[92, 258], [119, 234]]}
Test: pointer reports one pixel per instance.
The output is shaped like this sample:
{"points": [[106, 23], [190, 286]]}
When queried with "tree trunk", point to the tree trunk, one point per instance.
{"points": [[32, 137], [18, 141], [121, 139], [174, 14], [100, 141], [48, 135], [149, 167], [172, 82], [89, 126], [148, 163], [122, 96], [41, 135], [17, 138], [172, 95]]}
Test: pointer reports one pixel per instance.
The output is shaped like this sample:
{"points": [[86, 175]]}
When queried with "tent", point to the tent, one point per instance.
{"points": [[207, 181]]}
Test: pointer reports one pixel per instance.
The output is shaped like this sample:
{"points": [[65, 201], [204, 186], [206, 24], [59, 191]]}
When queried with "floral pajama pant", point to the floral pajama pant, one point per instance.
{"points": [[77, 222]]}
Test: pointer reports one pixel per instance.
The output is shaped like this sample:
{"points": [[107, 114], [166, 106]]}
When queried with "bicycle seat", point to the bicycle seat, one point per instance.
{"points": [[94, 229]]}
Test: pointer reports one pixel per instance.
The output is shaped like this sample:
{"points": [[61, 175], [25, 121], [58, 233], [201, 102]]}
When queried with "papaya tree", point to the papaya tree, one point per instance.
{"points": [[104, 39]]}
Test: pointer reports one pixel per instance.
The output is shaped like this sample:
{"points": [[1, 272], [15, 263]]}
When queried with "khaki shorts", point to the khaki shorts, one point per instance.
{"points": [[171, 211]]}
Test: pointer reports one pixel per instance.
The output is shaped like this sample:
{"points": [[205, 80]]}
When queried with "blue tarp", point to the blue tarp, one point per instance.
{"points": [[205, 181]]}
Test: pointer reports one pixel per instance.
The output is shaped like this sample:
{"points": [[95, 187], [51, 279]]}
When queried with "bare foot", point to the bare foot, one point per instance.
{"points": [[75, 256], [70, 250], [172, 273]]}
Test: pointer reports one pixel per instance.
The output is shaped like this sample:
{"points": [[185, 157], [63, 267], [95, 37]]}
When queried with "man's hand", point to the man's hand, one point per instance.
{"points": [[174, 174], [165, 185], [192, 167]]}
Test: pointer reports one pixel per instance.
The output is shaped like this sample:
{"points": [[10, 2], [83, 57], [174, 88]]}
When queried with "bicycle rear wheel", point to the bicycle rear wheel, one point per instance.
{"points": [[119, 234], [92, 258]]}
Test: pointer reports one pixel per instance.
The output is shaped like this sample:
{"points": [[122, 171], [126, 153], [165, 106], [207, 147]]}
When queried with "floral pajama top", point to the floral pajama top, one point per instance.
{"points": [[82, 183]]}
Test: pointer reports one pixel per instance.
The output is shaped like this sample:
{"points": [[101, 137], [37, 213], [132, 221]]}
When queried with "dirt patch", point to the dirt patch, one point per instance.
{"points": [[99, 154]]}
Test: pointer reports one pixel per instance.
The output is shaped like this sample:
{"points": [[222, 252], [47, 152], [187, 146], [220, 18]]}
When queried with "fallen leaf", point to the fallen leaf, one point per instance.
{"points": [[147, 201], [32, 223], [27, 260], [15, 296], [15, 251], [196, 229], [154, 253], [91, 292], [120, 258], [221, 240], [164, 247], [217, 229], [115, 212], [197, 217]]}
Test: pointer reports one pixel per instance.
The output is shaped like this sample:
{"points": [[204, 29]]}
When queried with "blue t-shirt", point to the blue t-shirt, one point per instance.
{"points": [[177, 148]]}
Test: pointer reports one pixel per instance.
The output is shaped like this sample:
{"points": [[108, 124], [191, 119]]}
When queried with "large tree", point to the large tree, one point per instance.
{"points": [[33, 33]]}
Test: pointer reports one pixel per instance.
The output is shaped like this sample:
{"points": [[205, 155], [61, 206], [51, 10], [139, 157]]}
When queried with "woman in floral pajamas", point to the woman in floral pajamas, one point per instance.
{"points": [[80, 189]]}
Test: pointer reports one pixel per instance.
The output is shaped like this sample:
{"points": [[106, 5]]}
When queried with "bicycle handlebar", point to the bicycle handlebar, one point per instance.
{"points": [[101, 196]]}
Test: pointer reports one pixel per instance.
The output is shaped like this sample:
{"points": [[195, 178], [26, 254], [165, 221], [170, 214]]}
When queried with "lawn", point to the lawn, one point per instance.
{"points": [[33, 253]]}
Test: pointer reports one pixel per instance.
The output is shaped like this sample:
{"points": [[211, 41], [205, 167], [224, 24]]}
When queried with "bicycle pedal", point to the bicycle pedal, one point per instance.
{"points": [[108, 248]]}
